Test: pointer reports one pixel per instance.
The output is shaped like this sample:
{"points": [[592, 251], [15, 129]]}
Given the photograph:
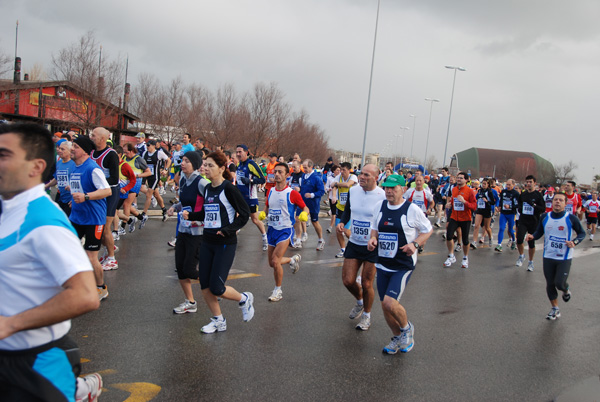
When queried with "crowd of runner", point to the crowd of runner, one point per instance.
{"points": [[382, 220]]}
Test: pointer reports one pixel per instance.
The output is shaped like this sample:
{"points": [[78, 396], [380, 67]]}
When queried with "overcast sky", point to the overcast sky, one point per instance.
{"points": [[532, 81]]}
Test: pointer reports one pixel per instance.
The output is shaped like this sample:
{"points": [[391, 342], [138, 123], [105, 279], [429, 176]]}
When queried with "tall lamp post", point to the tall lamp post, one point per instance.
{"points": [[455, 68], [396, 149], [428, 128], [402, 149], [413, 136]]}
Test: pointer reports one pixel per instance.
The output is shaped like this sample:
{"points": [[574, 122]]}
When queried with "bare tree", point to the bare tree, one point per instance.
{"points": [[5, 63], [37, 73], [564, 172], [170, 104], [262, 104], [99, 79], [195, 119], [431, 163], [144, 99], [224, 117]]}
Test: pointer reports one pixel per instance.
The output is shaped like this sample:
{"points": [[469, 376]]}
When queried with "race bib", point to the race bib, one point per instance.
{"points": [[458, 206], [527, 209], [183, 222], [420, 204], [271, 177], [481, 203], [361, 231], [212, 216], [593, 209], [569, 208], [76, 186], [549, 204], [388, 245], [151, 167], [62, 179], [275, 218], [343, 197], [557, 246]]}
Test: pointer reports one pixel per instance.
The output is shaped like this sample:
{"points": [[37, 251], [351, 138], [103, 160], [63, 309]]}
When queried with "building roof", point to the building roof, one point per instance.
{"points": [[485, 162]]}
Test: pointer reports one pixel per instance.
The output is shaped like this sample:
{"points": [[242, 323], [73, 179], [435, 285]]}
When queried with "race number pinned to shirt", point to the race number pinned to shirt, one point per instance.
{"points": [[151, 167], [361, 231], [388, 245], [75, 184], [212, 216], [556, 247], [343, 197], [527, 209], [62, 178], [593, 208], [183, 222], [569, 208], [458, 206], [481, 203], [275, 218]]}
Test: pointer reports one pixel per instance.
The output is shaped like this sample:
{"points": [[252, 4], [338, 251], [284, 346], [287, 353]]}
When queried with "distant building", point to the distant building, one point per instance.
{"points": [[62, 106], [483, 162], [355, 159]]}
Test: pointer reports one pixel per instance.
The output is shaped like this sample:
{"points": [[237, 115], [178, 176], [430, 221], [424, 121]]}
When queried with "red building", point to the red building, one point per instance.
{"points": [[61, 106]]}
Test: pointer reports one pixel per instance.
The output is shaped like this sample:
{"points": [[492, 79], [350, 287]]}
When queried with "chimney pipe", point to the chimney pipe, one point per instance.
{"points": [[17, 76]]}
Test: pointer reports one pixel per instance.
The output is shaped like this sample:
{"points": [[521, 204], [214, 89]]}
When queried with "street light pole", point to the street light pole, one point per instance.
{"points": [[402, 151], [455, 68], [428, 128], [413, 136], [396, 149]]}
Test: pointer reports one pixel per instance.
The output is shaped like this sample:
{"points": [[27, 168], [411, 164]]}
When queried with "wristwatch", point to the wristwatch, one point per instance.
{"points": [[416, 245], [86, 196]]}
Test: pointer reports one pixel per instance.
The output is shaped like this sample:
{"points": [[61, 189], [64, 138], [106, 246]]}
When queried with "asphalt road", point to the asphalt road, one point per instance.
{"points": [[480, 333]]}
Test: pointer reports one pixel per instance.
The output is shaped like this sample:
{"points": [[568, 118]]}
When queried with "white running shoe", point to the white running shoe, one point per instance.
{"points": [[304, 237], [265, 244], [172, 242], [115, 235], [134, 220], [295, 263], [340, 254], [465, 262], [520, 260], [248, 307], [364, 323], [214, 326], [450, 260], [356, 311], [154, 203], [321, 245], [276, 295], [186, 307], [110, 264], [94, 388], [530, 266]]}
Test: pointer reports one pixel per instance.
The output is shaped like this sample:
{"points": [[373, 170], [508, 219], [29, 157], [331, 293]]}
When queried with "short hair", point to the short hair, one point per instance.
{"points": [[67, 137], [68, 144], [119, 149], [334, 168], [571, 182], [346, 165], [227, 153], [130, 147], [308, 162], [445, 169], [283, 165], [465, 175], [561, 193], [35, 139], [188, 135], [531, 177]]}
